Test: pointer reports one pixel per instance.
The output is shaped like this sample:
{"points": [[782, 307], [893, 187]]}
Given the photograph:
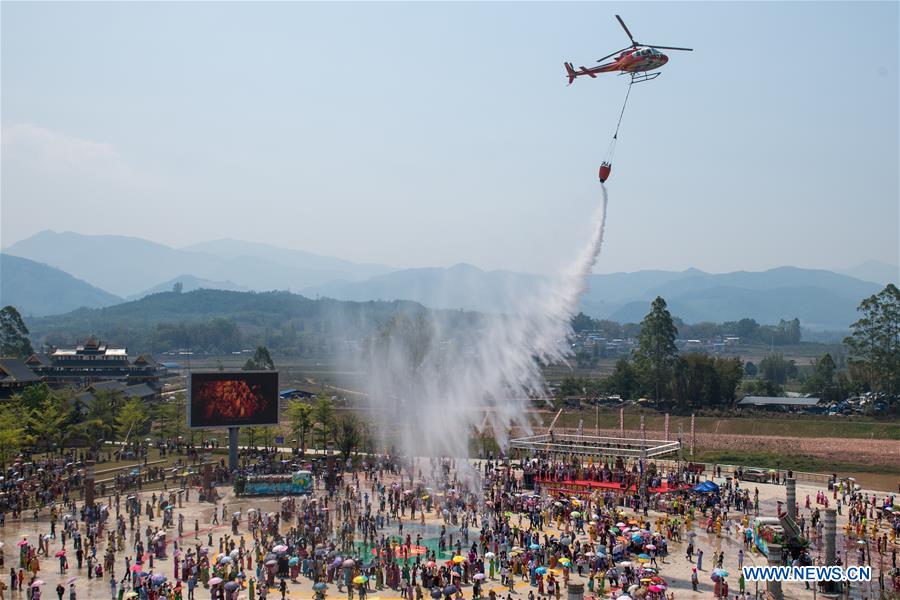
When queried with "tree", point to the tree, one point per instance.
{"points": [[623, 381], [750, 369], [99, 420], [178, 287], [300, 415], [49, 423], [874, 344], [348, 434], [730, 372], [12, 432], [323, 415], [776, 369], [171, 416], [261, 360], [762, 387], [32, 397], [656, 351], [14, 334], [132, 419], [694, 382]]}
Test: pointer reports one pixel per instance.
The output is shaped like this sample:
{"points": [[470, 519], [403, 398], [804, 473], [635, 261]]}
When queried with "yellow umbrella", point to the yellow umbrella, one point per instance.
{"points": [[458, 559], [360, 579], [565, 561]]}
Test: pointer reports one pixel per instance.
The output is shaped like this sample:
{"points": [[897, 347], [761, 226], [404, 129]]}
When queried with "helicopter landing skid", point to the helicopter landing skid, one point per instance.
{"points": [[641, 77]]}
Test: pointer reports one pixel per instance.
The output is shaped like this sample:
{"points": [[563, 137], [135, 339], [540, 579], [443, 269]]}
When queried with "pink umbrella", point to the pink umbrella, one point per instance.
{"points": [[135, 568], [61, 553], [280, 548], [37, 583], [21, 543], [215, 581]]}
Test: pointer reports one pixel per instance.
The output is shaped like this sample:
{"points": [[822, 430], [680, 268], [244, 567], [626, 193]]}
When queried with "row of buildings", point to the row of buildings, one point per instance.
{"points": [[595, 343], [90, 365]]}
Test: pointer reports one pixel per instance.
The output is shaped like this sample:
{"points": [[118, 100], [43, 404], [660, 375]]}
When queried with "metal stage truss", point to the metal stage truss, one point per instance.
{"points": [[590, 445]]}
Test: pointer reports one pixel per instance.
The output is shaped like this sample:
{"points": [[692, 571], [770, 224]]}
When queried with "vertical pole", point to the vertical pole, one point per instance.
{"points": [[667, 427], [774, 587], [621, 422], [830, 531], [790, 488], [598, 419], [233, 448]]}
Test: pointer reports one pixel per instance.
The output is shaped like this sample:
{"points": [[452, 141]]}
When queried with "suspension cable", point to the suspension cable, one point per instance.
{"points": [[622, 113]]}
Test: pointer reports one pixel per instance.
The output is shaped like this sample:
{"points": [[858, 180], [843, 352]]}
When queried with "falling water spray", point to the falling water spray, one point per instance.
{"points": [[437, 377]]}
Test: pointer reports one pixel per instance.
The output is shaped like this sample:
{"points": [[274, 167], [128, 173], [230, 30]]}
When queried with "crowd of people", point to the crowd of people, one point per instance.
{"points": [[427, 527]]}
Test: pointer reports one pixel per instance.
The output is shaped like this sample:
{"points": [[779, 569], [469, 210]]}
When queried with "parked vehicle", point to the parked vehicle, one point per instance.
{"points": [[757, 475]]}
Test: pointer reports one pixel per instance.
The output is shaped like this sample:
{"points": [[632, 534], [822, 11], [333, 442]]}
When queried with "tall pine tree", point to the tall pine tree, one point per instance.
{"points": [[656, 352]]}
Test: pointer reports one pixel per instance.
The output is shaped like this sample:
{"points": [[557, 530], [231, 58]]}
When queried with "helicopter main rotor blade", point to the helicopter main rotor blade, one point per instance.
{"points": [[622, 23], [671, 48], [613, 54]]}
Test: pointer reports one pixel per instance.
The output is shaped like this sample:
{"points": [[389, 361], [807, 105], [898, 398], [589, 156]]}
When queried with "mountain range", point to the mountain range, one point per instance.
{"points": [[38, 289], [127, 266], [79, 268]]}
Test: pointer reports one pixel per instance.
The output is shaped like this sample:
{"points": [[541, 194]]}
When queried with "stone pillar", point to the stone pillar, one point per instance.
{"points": [[576, 591], [774, 587], [206, 478], [790, 488], [88, 483], [829, 529]]}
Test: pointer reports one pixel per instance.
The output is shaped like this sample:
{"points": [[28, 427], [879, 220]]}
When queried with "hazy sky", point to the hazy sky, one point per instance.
{"points": [[426, 134]]}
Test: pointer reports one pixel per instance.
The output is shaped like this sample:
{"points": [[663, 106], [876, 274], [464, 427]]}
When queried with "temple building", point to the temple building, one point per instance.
{"points": [[92, 362]]}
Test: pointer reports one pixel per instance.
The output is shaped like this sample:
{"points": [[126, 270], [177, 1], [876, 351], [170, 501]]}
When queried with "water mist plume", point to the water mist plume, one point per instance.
{"points": [[436, 377]]}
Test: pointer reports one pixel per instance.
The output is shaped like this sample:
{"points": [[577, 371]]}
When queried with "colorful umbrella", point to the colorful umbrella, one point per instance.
{"points": [[360, 579], [215, 581], [458, 559]]}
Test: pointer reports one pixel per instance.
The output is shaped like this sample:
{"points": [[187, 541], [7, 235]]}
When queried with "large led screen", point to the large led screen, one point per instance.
{"points": [[232, 399]]}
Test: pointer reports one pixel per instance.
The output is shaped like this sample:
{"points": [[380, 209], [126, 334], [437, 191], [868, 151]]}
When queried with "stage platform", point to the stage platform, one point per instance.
{"points": [[585, 486]]}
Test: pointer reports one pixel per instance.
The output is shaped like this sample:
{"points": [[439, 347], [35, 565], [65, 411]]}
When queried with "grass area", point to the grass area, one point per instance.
{"points": [[771, 460], [788, 426]]}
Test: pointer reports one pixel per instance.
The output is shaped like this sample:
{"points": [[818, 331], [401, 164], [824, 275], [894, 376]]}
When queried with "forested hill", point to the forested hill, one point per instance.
{"points": [[222, 321]]}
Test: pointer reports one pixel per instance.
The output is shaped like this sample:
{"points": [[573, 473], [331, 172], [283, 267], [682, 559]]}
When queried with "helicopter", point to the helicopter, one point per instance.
{"points": [[636, 60]]}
